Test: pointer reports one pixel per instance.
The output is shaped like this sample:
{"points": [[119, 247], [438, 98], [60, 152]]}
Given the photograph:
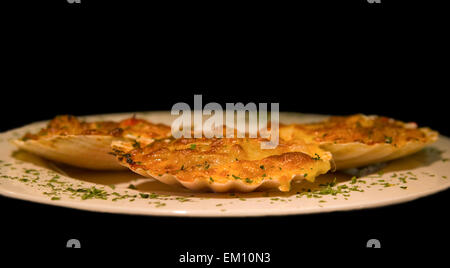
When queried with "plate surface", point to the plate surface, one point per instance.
{"points": [[28, 177]]}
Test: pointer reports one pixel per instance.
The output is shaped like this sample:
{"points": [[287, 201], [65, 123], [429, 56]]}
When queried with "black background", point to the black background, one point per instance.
{"points": [[330, 57]]}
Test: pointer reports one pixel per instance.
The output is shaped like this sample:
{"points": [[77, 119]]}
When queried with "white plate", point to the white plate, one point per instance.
{"points": [[28, 177]]}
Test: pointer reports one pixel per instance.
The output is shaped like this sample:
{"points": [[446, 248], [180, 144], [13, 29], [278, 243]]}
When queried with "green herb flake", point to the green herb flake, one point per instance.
{"points": [[236, 177], [136, 144], [183, 199], [91, 193], [387, 139]]}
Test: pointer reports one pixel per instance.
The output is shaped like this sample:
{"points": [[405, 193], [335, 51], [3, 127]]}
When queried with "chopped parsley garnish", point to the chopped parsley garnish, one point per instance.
{"points": [[182, 199], [91, 193], [236, 177], [136, 144], [387, 139]]}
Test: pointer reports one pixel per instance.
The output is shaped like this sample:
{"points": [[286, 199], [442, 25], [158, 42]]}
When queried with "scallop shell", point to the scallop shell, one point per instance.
{"points": [[230, 185], [356, 154], [68, 140], [84, 151], [352, 152], [203, 185]]}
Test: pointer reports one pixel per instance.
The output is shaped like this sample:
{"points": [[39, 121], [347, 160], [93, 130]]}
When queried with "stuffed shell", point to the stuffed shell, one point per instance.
{"points": [[360, 140], [227, 164], [68, 140]]}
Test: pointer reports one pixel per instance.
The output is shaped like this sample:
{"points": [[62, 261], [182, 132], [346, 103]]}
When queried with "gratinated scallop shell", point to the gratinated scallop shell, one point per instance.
{"points": [[360, 140], [88, 144], [227, 164]]}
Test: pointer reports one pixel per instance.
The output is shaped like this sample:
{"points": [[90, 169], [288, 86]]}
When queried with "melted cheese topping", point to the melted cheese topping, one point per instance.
{"points": [[132, 128], [220, 160], [357, 128]]}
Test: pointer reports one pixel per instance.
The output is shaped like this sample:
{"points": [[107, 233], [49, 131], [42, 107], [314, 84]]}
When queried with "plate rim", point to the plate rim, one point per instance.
{"points": [[164, 212]]}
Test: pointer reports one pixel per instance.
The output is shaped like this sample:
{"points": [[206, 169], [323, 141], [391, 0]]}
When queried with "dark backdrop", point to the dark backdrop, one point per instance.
{"points": [[321, 57]]}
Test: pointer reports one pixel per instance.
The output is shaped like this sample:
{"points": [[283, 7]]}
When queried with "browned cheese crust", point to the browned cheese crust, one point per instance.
{"points": [[221, 160], [65, 125], [357, 128]]}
